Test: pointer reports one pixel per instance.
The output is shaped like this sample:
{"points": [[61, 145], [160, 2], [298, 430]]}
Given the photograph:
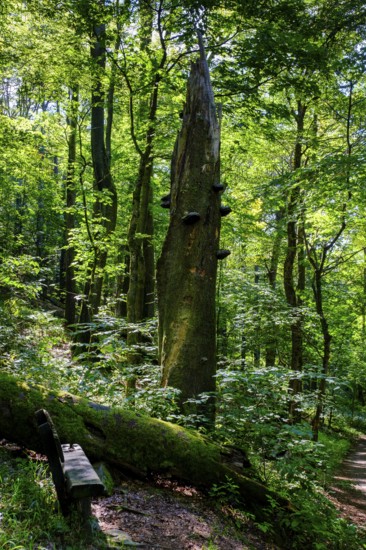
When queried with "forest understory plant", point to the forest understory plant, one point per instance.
{"points": [[252, 415], [28, 511]]}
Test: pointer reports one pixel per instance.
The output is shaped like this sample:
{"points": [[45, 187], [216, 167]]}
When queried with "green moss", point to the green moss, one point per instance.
{"points": [[118, 436], [105, 476]]}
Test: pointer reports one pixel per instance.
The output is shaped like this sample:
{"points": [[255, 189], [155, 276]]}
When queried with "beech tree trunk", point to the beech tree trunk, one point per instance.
{"points": [[271, 340], [327, 338], [70, 284], [141, 281], [139, 444], [295, 248], [319, 260], [187, 268], [105, 205], [140, 296], [257, 348]]}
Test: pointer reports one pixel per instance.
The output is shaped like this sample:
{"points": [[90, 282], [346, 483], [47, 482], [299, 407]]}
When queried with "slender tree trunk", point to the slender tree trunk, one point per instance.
{"points": [[141, 280], [140, 294], [318, 266], [140, 300], [363, 302], [293, 247], [122, 284], [327, 338], [69, 258], [222, 333], [105, 205], [318, 261], [257, 349], [271, 343], [187, 267]]}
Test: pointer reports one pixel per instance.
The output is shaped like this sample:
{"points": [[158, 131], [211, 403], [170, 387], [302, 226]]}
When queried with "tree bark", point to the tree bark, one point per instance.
{"points": [[187, 268], [295, 247], [105, 205], [327, 338], [141, 280], [257, 348], [70, 284], [271, 342], [140, 296], [318, 260], [221, 314], [138, 444]]}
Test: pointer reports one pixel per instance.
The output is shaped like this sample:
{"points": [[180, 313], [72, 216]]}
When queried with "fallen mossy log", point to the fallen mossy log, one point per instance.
{"points": [[139, 444]]}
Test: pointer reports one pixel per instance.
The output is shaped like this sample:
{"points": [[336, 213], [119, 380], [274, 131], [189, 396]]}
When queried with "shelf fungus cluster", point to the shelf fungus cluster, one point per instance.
{"points": [[224, 211], [218, 187], [193, 217]]}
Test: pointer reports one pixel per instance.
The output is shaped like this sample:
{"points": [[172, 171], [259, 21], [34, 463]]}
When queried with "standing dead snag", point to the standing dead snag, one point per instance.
{"points": [[186, 273]]}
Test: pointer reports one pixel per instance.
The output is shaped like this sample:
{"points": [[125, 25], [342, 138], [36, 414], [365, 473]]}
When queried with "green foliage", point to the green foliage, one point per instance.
{"points": [[226, 493], [265, 58], [252, 414], [19, 276], [317, 525], [27, 502]]}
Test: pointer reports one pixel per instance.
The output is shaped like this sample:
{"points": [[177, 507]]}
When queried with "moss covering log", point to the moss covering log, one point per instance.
{"points": [[139, 444]]}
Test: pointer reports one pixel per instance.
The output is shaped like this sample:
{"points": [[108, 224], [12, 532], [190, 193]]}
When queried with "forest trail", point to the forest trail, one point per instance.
{"points": [[348, 492], [167, 516]]}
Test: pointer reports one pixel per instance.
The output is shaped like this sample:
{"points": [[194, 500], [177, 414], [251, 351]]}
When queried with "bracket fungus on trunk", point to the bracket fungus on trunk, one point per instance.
{"points": [[218, 187], [223, 253], [225, 210], [187, 267], [165, 201], [191, 217]]}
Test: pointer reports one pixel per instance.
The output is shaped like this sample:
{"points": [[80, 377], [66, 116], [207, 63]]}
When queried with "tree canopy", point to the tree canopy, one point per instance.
{"points": [[193, 263]]}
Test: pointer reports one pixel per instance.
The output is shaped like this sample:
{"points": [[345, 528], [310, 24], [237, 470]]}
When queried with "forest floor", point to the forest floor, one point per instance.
{"points": [[161, 515], [171, 516], [166, 515]]}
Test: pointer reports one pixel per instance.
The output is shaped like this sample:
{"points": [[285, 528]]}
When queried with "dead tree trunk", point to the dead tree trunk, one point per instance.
{"points": [[138, 444], [186, 272]]}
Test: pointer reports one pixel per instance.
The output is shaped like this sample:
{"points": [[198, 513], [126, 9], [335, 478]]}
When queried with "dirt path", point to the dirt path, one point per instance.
{"points": [[172, 517], [349, 490]]}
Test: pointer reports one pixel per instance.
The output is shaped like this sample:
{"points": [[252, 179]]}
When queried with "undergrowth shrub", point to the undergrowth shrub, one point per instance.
{"points": [[316, 524], [28, 511], [26, 503], [252, 413]]}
